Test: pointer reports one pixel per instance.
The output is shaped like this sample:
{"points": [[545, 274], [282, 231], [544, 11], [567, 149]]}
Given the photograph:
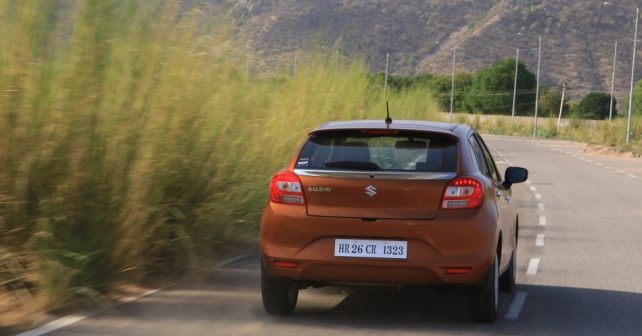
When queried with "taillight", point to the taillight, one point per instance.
{"points": [[286, 188], [463, 193]]}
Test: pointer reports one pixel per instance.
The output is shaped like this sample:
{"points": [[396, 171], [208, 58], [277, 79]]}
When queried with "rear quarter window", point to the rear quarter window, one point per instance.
{"points": [[478, 156], [369, 151]]}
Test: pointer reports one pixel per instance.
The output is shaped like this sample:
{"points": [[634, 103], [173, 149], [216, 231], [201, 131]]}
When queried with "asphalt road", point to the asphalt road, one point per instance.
{"points": [[579, 258]]}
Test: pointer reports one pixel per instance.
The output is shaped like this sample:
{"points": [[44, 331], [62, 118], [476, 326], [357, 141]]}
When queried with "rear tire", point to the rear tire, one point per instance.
{"points": [[279, 295], [507, 280], [484, 300]]}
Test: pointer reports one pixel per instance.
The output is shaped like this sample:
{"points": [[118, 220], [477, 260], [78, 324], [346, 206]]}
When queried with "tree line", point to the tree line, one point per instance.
{"points": [[491, 90]]}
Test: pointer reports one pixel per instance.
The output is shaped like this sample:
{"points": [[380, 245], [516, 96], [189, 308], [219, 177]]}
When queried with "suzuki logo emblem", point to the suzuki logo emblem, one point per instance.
{"points": [[371, 191]]}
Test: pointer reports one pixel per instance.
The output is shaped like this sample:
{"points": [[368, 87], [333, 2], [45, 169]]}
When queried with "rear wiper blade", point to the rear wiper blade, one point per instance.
{"points": [[360, 165]]}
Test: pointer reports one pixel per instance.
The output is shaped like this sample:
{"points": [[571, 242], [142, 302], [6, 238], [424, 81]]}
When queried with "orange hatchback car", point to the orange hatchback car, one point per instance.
{"points": [[391, 203]]}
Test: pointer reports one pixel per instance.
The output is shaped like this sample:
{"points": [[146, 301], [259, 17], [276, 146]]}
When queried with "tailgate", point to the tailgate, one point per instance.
{"points": [[388, 197]]}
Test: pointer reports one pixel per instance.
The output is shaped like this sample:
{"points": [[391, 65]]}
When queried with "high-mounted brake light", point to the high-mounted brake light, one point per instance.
{"points": [[380, 132], [462, 193], [286, 188]]}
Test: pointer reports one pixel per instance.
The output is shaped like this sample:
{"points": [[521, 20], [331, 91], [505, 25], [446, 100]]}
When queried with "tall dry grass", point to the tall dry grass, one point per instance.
{"points": [[133, 141]]}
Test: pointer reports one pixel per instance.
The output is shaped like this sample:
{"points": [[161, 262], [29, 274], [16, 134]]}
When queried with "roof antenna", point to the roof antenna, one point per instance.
{"points": [[388, 119], [385, 87]]}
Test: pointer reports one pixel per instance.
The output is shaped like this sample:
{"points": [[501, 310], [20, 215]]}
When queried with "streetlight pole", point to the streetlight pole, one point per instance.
{"points": [[247, 69], [559, 118], [515, 83], [295, 61], [539, 58], [452, 87], [612, 82], [635, 41]]}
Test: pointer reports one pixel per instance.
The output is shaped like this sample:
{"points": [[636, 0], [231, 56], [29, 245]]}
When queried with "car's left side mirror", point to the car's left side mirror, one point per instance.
{"points": [[514, 175]]}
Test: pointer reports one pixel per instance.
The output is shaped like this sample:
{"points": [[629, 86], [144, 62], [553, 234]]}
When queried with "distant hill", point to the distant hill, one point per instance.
{"points": [[577, 35]]}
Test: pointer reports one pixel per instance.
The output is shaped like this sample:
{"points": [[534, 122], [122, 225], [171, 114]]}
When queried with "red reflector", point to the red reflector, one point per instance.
{"points": [[285, 264], [457, 270]]}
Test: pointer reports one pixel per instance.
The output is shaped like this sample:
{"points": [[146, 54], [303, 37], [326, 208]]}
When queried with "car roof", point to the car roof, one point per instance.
{"points": [[404, 125]]}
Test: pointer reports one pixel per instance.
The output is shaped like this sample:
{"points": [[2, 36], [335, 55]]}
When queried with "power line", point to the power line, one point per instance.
{"points": [[482, 94]]}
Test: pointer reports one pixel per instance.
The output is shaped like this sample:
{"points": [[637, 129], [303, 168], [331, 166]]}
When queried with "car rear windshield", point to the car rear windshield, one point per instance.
{"points": [[379, 150]]}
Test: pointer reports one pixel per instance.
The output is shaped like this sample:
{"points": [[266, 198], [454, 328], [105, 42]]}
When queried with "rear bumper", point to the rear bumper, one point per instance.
{"points": [[462, 239]]}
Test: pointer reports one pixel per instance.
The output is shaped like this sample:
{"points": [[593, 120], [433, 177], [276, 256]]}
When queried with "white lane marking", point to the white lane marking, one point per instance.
{"points": [[533, 265], [542, 221], [538, 196], [632, 176], [574, 155], [589, 161], [73, 318], [516, 306], [539, 240], [599, 164], [609, 168], [533, 189], [55, 325], [540, 206], [620, 171], [528, 182]]}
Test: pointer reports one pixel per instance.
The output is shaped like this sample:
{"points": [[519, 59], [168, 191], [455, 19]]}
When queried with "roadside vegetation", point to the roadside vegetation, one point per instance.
{"points": [[485, 99], [135, 140]]}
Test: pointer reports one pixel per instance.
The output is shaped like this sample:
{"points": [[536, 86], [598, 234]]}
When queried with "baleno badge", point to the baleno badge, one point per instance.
{"points": [[319, 189]]}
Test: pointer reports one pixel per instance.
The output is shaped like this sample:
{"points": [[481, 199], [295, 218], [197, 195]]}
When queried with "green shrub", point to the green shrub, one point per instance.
{"points": [[549, 129], [491, 90], [595, 105]]}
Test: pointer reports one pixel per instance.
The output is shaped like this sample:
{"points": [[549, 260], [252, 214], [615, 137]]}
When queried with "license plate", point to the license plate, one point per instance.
{"points": [[360, 248]]}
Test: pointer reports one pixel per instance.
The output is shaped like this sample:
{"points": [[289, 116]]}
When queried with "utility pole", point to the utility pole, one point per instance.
{"points": [[612, 83], [539, 58], [452, 87], [635, 40], [559, 118], [515, 83]]}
